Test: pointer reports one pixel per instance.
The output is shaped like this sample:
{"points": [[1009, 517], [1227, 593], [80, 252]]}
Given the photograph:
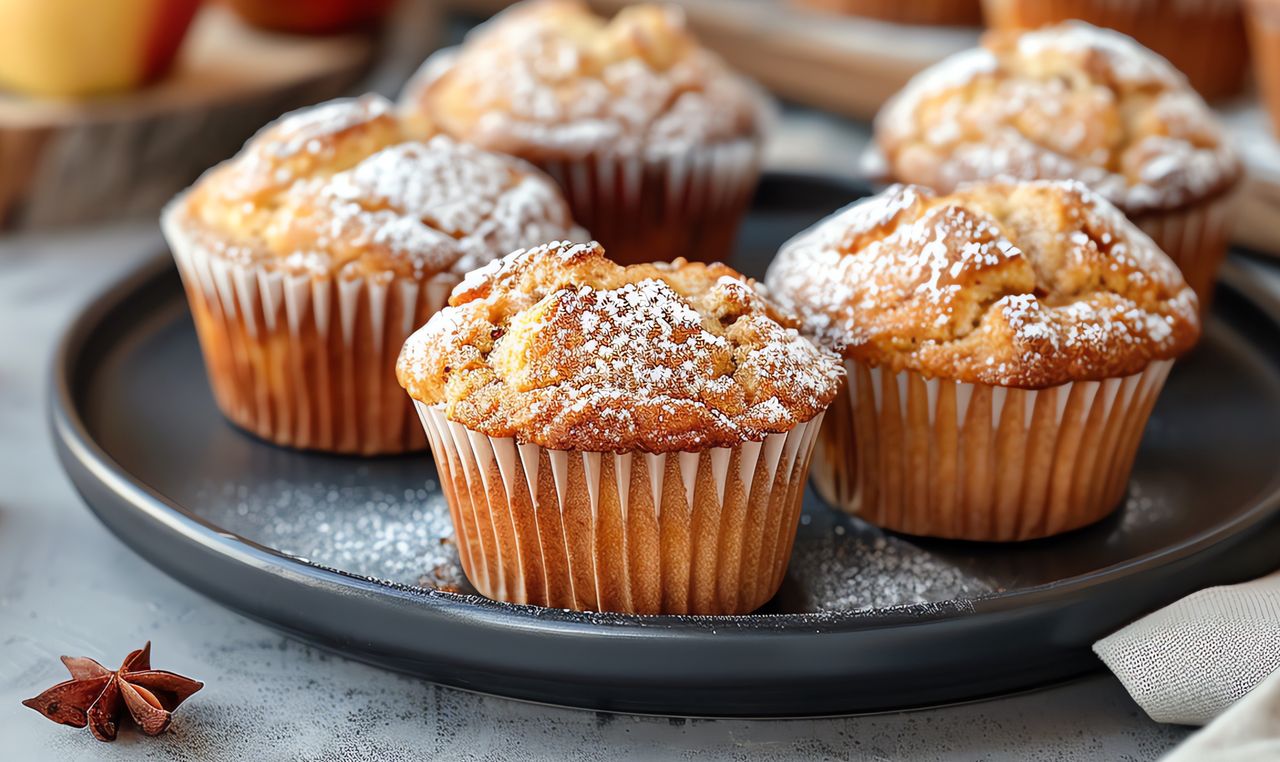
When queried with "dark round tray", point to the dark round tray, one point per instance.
{"points": [[353, 554]]}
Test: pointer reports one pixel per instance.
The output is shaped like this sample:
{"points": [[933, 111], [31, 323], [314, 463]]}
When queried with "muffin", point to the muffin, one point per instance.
{"points": [[1204, 39], [309, 258], [655, 142], [1073, 102], [1264, 33], [926, 12], [629, 439], [1004, 346]]}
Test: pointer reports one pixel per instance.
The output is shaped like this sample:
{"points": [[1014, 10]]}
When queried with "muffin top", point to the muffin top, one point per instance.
{"points": [[560, 347], [550, 78], [1064, 102], [1012, 284], [344, 188]]}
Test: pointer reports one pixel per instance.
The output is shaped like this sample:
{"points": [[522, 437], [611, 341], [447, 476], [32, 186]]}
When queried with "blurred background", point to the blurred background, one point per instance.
{"points": [[110, 107]]}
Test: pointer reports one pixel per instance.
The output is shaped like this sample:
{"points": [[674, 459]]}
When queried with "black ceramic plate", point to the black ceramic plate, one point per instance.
{"points": [[349, 553]]}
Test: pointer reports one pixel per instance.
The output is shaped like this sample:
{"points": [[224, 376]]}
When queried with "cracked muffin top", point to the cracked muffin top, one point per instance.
{"points": [[1024, 285], [552, 79], [560, 347], [1064, 102], [343, 187]]}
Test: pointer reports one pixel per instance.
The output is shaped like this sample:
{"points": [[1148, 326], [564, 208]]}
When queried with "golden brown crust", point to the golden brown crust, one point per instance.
{"points": [[1064, 102], [550, 79], [1021, 285], [344, 188], [560, 347]]}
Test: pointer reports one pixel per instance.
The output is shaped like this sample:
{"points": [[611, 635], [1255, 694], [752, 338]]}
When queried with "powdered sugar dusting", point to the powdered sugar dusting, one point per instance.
{"points": [[431, 207], [577, 353], [1065, 102], [1032, 285], [417, 199], [553, 77]]}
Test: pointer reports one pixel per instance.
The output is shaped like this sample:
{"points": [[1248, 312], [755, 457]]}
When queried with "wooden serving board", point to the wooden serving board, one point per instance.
{"points": [[842, 64], [76, 161]]}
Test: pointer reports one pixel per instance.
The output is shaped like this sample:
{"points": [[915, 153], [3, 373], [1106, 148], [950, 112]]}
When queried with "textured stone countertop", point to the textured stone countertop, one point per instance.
{"points": [[68, 586]]}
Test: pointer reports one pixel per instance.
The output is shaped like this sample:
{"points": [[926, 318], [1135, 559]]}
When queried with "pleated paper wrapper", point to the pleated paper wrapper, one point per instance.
{"points": [[705, 532], [966, 461], [1196, 239], [688, 204], [303, 360]]}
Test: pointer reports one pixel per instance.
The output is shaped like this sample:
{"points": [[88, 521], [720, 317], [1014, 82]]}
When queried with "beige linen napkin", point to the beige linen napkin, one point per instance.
{"points": [[1247, 732], [1190, 661]]}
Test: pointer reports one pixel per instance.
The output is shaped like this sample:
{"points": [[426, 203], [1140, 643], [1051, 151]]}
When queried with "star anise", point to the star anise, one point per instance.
{"points": [[96, 696]]}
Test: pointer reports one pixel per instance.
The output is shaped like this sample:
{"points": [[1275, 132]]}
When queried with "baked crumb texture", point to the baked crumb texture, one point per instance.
{"points": [[551, 79], [1025, 285], [631, 439], [344, 188], [560, 347], [1070, 101], [655, 142], [310, 257]]}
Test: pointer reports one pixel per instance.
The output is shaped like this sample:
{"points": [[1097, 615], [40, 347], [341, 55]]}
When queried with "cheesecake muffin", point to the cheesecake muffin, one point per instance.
{"points": [[309, 258], [925, 12], [1004, 346], [1073, 102], [630, 439], [655, 142], [1204, 39], [1264, 34]]}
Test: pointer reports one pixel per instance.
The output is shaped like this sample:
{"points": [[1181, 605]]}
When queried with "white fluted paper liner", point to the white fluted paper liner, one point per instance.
{"points": [[306, 360], [971, 461], [705, 532], [1196, 239], [642, 208]]}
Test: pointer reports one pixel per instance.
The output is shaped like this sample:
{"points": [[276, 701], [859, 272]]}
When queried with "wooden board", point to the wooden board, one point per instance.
{"points": [[76, 161], [842, 64]]}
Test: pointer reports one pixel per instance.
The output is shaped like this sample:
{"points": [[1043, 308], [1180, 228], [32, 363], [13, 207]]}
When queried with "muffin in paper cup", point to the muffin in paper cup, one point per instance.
{"points": [[924, 12], [656, 143], [627, 439], [1204, 39], [1073, 102], [309, 258], [1004, 347]]}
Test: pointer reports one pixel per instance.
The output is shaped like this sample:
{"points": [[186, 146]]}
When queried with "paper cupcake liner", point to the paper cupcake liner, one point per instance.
{"points": [[977, 462], [1202, 38], [306, 361], [645, 209], [680, 533], [1196, 239], [928, 12]]}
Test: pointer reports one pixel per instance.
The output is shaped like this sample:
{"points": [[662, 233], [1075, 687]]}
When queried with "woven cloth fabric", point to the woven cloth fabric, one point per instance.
{"points": [[1190, 661], [1247, 732]]}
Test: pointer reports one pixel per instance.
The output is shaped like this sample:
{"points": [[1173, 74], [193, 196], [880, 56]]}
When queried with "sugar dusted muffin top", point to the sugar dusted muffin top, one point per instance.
{"points": [[560, 347], [344, 187], [1021, 285], [1064, 102], [553, 79]]}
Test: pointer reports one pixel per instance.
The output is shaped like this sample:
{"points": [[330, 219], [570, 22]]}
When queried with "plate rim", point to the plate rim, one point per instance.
{"points": [[683, 665], [71, 430]]}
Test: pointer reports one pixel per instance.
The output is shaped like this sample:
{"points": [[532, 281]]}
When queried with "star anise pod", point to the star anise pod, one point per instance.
{"points": [[96, 696]]}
